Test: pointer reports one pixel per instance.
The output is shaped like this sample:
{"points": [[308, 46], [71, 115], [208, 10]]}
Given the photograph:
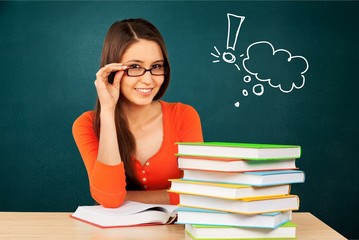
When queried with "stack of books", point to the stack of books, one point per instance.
{"points": [[237, 190]]}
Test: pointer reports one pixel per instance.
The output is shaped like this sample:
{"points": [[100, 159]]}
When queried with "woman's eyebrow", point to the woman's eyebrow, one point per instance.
{"points": [[134, 61], [139, 61], [159, 61]]}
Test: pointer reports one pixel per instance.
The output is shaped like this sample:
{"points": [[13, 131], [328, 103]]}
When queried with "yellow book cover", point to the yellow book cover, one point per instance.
{"points": [[244, 206], [225, 190]]}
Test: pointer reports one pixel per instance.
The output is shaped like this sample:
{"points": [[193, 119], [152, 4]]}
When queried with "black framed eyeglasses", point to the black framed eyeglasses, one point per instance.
{"points": [[140, 71]]}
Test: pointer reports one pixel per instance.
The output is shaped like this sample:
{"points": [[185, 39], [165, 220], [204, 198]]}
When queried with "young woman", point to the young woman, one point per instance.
{"points": [[128, 142]]}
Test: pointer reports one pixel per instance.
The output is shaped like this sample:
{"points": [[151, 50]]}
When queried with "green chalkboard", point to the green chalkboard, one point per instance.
{"points": [[280, 72]]}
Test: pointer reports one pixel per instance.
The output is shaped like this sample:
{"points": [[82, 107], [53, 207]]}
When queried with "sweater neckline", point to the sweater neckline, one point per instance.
{"points": [[164, 133]]}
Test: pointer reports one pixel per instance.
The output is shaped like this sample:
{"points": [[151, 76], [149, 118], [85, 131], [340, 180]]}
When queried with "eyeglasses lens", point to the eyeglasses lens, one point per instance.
{"points": [[136, 72]]}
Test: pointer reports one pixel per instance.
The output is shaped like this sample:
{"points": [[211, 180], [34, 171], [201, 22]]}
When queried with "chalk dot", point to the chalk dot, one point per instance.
{"points": [[258, 89], [247, 79], [245, 92], [228, 57], [237, 104]]}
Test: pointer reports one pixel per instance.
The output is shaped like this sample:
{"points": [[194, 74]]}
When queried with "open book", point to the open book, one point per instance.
{"points": [[128, 214]]}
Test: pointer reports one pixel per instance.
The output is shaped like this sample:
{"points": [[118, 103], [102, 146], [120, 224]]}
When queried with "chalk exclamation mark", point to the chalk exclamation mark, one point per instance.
{"points": [[234, 26]]}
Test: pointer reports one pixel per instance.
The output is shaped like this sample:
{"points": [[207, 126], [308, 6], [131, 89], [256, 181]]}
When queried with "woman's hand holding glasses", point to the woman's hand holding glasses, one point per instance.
{"points": [[109, 93]]}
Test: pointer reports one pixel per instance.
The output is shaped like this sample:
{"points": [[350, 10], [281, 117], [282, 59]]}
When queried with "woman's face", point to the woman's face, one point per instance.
{"points": [[141, 90]]}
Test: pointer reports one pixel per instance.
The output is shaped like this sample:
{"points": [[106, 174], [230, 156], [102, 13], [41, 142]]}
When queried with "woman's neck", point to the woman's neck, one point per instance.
{"points": [[138, 116]]}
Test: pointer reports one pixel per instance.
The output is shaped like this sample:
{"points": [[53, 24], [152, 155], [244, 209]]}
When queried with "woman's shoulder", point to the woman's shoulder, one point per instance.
{"points": [[84, 120], [176, 106], [178, 109]]}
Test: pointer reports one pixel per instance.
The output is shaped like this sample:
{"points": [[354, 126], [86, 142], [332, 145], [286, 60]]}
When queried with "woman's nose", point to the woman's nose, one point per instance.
{"points": [[146, 78]]}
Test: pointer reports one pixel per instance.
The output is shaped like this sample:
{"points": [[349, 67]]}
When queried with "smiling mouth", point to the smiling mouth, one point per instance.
{"points": [[144, 90]]}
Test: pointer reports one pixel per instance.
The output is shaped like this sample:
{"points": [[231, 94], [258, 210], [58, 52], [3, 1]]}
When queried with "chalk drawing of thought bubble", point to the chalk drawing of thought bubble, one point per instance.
{"points": [[277, 67]]}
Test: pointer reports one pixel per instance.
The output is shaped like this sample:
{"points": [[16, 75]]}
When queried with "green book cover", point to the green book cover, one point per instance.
{"points": [[241, 145], [246, 151]]}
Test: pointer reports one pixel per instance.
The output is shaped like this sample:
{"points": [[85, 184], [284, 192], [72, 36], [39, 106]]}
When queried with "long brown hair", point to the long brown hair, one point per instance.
{"points": [[119, 37]]}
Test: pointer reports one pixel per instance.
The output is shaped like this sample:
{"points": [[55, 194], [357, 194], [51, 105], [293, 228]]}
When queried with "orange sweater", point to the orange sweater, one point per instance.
{"points": [[181, 123]]}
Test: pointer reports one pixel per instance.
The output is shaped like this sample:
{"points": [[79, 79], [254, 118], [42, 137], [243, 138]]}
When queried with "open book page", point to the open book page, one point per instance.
{"points": [[129, 214], [131, 207]]}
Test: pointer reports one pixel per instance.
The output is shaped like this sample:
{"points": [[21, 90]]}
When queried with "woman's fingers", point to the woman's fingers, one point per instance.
{"points": [[105, 71], [117, 79], [109, 93], [102, 75]]}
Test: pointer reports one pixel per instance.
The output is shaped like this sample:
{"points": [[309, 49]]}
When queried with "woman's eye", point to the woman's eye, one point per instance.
{"points": [[134, 66], [157, 66]]}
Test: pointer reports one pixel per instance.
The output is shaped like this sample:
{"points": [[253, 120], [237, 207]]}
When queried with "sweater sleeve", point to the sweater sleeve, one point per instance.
{"points": [[107, 183], [190, 127]]}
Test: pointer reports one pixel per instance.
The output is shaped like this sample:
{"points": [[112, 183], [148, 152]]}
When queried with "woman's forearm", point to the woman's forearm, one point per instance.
{"points": [[108, 151]]}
